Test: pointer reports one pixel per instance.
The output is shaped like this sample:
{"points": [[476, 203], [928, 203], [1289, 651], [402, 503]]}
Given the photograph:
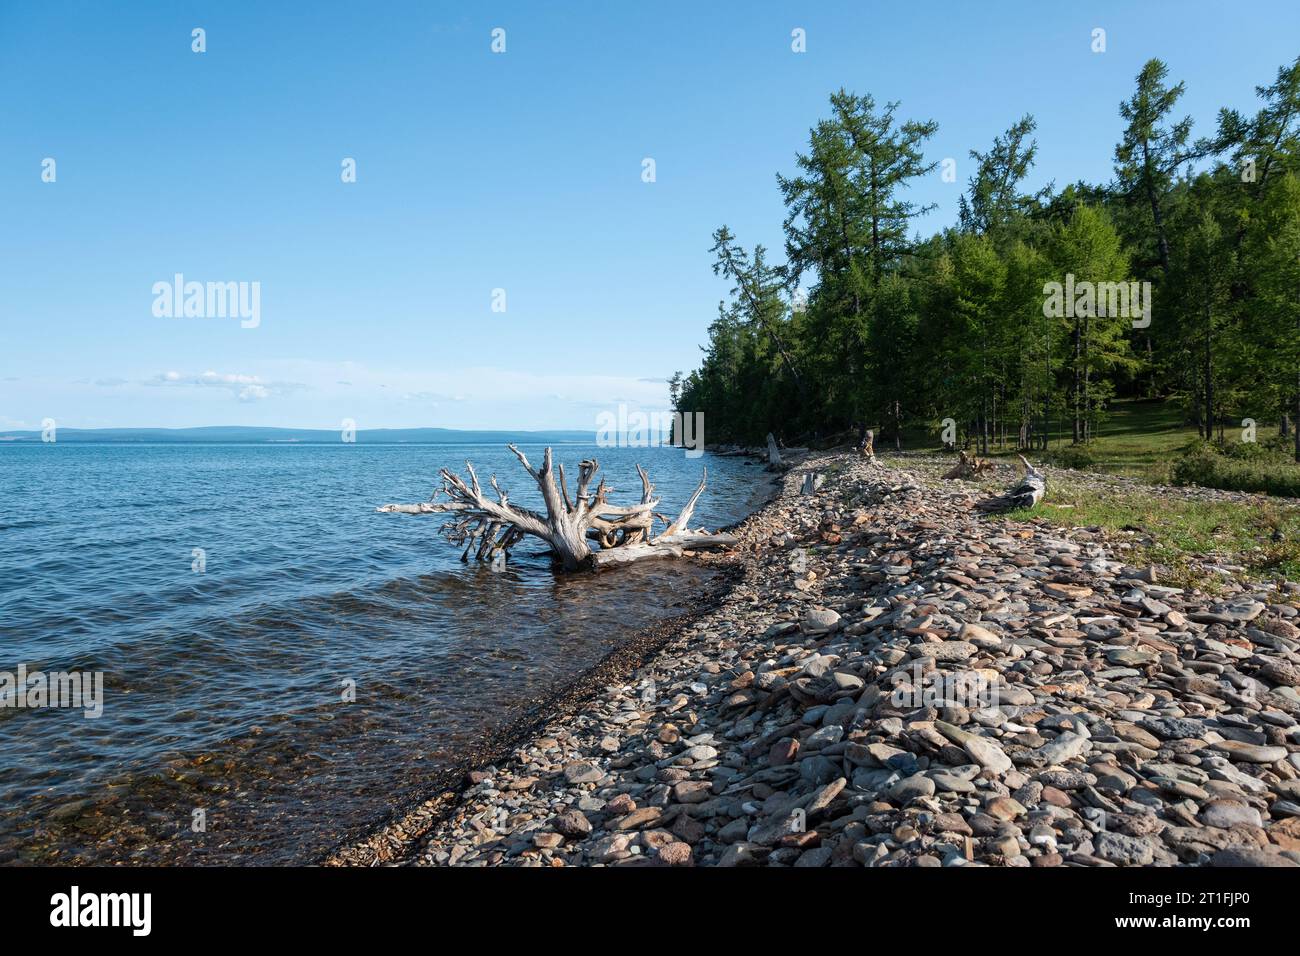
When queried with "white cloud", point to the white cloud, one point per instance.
{"points": [[246, 388]]}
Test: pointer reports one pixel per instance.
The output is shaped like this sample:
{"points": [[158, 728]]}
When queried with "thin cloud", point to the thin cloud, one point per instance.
{"points": [[246, 388]]}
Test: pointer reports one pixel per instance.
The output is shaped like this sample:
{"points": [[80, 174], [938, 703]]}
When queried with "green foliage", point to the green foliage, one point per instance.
{"points": [[1041, 313], [1256, 470], [1078, 457]]}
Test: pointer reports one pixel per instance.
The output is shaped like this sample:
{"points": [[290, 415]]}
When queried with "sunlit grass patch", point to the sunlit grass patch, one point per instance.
{"points": [[1260, 536]]}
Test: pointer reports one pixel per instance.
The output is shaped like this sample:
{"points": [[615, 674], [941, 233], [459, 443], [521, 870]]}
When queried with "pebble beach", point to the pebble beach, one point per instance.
{"points": [[894, 679]]}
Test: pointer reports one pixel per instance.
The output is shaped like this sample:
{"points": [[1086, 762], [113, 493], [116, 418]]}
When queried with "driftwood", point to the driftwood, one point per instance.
{"points": [[1025, 493], [812, 483], [773, 453], [492, 526], [968, 467]]}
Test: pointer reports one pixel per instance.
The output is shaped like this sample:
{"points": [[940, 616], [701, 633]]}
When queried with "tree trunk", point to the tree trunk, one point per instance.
{"points": [[1157, 216], [773, 453], [1209, 375], [1077, 380]]}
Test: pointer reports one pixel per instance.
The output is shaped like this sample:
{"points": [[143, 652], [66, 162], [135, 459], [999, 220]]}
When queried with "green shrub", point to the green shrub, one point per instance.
{"points": [[1078, 457], [1257, 470]]}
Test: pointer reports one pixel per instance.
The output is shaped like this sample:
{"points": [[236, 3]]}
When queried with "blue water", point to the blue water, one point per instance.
{"points": [[224, 687]]}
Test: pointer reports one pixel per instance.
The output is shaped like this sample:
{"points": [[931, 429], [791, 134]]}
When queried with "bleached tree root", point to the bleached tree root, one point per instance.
{"points": [[491, 526], [1025, 493]]}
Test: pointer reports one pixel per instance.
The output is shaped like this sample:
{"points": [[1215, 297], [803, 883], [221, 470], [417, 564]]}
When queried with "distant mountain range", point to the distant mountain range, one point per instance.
{"points": [[242, 434]]}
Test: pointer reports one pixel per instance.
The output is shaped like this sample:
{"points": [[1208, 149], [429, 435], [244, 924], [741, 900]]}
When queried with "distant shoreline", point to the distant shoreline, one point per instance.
{"points": [[239, 434]]}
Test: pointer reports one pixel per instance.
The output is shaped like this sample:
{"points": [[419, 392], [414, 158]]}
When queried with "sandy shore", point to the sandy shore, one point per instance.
{"points": [[891, 680]]}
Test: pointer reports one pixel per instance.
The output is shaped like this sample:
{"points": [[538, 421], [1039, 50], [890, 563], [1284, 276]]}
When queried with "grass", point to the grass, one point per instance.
{"points": [[1139, 438], [1263, 537], [1240, 468]]}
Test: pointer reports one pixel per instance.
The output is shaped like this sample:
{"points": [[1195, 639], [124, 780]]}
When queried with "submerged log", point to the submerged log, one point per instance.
{"points": [[491, 527]]}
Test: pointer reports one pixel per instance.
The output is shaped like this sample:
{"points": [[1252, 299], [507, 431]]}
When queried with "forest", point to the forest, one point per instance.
{"points": [[1022, 324]]}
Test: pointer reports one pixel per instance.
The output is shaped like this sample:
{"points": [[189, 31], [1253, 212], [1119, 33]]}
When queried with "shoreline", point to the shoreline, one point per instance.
{"points": [[1120, 722], [392, 840]]}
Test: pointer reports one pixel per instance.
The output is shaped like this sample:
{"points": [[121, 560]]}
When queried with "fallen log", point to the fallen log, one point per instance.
{"points": [[1025, 493], [491, 527]]}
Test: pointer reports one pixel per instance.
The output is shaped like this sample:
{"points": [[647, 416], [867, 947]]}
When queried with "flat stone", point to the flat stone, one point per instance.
{"points": [[946, 651], [1123, 850], [1228, 814], [817, 620], [1243, 856], [1173, 728], [909, 788], [987, 754], [1067, 746], [1249, 753], [638, 819]]}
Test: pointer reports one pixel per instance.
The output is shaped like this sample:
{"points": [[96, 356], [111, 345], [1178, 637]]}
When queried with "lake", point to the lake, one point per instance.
{"points": [[236, 597]]}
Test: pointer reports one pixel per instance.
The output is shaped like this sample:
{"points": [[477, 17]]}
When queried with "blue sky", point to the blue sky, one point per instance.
{"points": [[479, 171]]}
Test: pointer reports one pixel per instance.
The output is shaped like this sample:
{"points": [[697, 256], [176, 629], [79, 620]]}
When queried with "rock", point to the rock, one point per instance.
{"points": [[1280, 673], [1173, 728], [1244, 856], [571, 824], [783, 752], [1064, 748], [1123, 850], [818, 620], [909, 788], [987, 754], [1228, 814], [979, 636], [676, 854], [824, 796], [610, 848], [580, 772], [739, 854], [946, 651], [772, 830], [1006, 847], [1004, 808], [621, 804], [816, 857], [639, 819], [1249, 753], [951, 823], [1067, 592]]}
